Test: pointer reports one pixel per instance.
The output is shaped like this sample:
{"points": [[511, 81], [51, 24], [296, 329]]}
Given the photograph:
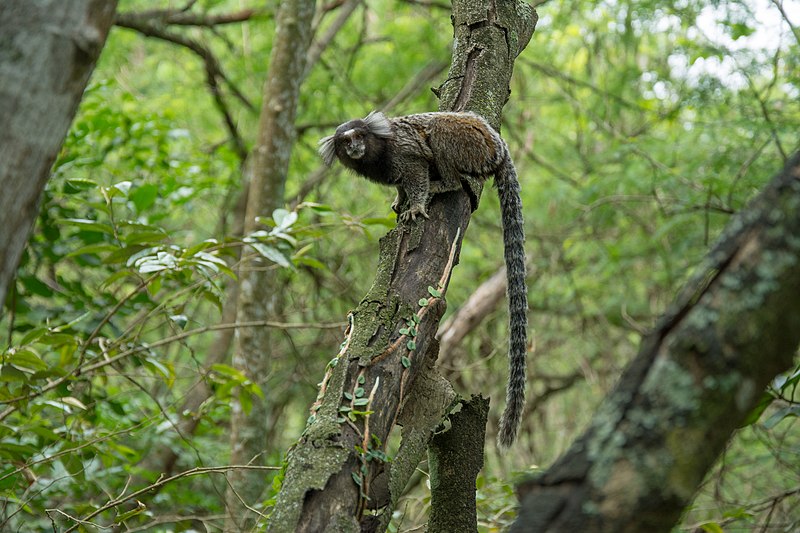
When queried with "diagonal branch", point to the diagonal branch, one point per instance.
{"points": [[696, 379]]}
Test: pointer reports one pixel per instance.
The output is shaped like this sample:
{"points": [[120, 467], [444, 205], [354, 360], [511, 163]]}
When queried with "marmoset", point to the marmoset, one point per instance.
{"points": [[405, 152]]}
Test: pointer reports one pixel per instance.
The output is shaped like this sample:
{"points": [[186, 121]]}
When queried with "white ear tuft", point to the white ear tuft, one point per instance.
{"points": [[326, 150], [378, 124]]}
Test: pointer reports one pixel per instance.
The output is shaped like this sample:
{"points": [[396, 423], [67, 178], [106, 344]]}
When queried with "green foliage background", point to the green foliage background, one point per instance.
{"points": [[636, 135]]}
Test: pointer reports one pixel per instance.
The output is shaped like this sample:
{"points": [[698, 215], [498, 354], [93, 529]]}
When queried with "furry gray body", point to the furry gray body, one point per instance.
{"points": [[406, 152]]}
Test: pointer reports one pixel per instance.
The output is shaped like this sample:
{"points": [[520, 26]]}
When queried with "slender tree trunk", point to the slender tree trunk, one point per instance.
{"points": [[48, 50], [259, 289]]}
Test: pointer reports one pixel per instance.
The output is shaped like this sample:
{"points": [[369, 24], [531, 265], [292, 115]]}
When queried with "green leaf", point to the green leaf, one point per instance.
{"points": [[8, 479], [229, 371], [403, 331], [144, 196], [246, 401], [254, 389], [144, 237], [32, 335], [356, 478], [359, 392], [740, 29], [320, 208], [405, 361], [76, 185], [93, 249], [159, 368], [122, 255], [17, 452], [283, 218], [123, 186], [35, 286], [57, 339], [434, 292], [423, 302], [214, 299], [10, 373], [26, 360], [73, 402], [411, 345], [361, 401], [140, 508], [764, 402], [73, 465], [88, 225], [712, 527], [180, 320], [780, 414], [271, 253], [309, 262], [201, 246]]}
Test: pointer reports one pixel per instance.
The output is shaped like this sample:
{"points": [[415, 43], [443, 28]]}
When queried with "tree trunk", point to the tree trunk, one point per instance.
{"points": [[48, 50], [455, 458], [337, 471], [696, 378], [259, 287]]}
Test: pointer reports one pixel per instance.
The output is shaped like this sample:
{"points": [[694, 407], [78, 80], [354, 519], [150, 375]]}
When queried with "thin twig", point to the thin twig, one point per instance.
{"points": [[779, 5], [164, 481]]}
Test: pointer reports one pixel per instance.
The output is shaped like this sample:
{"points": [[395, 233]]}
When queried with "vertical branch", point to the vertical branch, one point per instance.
{"points": [[267, 169]]}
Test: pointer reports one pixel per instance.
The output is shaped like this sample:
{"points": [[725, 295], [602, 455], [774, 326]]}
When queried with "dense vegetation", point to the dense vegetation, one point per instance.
{"points": [[638, 129]]}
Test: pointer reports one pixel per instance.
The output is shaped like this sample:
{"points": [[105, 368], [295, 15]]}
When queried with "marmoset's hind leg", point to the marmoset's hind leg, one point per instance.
{"points": [[416, 186]]}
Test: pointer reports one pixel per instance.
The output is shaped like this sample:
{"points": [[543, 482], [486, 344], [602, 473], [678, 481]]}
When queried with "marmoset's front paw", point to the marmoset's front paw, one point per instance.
{"points": [[412, 212]]}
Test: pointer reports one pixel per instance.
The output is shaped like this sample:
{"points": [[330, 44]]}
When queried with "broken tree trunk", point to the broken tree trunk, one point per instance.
{"points": [[337, 478]]}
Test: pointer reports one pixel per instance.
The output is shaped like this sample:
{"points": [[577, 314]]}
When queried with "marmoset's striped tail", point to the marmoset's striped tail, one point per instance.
{"points": [[514, 239]]}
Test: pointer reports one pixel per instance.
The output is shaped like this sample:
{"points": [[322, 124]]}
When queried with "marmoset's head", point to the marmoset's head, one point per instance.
{"points": [[356, 138]]}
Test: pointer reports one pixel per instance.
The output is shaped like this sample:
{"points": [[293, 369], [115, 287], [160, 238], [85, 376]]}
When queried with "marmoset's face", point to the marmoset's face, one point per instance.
{"points": [[352, 140]]}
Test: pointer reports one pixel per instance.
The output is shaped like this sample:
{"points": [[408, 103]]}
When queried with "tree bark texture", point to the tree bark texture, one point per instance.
{"points": [[455, 458], [336, 473], [48, 50], [259, 287], [696, 378]]}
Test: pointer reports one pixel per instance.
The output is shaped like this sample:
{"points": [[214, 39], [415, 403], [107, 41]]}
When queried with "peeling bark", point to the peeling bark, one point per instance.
{"points": [[697, 376]]}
